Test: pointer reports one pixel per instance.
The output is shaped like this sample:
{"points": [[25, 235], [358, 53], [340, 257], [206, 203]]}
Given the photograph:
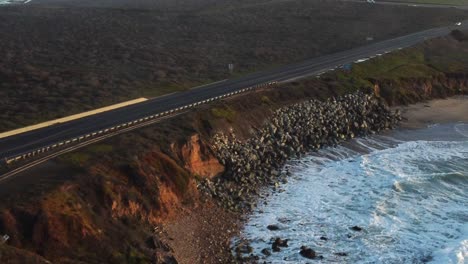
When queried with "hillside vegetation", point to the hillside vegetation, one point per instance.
{"points": [[434, 59], [56, 60], [100, 204]]}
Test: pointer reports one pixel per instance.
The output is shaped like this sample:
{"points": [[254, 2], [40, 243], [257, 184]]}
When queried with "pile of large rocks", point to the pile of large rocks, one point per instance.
{"points": [[291, 131]]}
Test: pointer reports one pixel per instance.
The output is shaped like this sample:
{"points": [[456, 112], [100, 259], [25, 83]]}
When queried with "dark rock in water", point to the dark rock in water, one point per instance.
{"points": [[341, 254], [266, 252], [427, 258], [356, 228], [275, 248], [273, 227], [243, 249], [279, 243], [307, 252], [349, 236], [323, 238]]}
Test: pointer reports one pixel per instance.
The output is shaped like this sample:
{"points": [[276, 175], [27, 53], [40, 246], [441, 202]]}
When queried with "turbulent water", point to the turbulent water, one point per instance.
{"points": [[7, 2], [408, 190]]}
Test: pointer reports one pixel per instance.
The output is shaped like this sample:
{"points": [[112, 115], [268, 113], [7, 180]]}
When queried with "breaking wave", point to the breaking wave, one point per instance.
{"points": [[407, 190]]}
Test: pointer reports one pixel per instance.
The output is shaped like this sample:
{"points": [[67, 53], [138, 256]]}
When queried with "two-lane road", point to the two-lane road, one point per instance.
{"points": [[25, 142]]}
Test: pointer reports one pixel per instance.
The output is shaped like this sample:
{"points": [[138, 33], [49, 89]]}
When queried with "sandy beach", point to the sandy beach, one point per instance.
{"points": [[454, 109]]}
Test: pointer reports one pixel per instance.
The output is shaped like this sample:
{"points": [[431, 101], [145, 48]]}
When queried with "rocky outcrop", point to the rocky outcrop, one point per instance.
{"points": [[199, 159], [291, 131]]}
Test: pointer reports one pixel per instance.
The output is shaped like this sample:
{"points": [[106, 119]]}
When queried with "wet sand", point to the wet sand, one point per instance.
{"points": [[454, 109]]}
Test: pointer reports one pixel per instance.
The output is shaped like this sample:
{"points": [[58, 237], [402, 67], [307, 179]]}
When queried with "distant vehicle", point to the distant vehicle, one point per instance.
{"points": [[5, 238], [370, 1], [361, 60], [458, 23]]}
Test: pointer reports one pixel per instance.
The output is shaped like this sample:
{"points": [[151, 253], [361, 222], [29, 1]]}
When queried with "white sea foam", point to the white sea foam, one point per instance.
{"points": [[410, 197], [9, 2], [462, 129]]}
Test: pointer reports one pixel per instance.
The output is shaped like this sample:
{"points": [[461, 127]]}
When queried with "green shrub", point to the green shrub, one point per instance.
{"points": [[227, 113], [266, 100]]}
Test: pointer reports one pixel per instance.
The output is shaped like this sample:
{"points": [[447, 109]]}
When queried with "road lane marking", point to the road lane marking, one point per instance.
{"points": [[79, 145], [70, 118]]}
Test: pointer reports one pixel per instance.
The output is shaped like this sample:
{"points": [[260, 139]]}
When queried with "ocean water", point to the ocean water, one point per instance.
{"points": [[8, 2], [408, 190]]}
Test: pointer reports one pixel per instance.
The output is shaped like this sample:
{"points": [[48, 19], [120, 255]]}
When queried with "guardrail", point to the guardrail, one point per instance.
{"points": [[35, 152]]}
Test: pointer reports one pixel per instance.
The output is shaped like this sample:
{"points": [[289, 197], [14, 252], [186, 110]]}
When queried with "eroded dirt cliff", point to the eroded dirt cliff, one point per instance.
{"points": [[134, 198]]}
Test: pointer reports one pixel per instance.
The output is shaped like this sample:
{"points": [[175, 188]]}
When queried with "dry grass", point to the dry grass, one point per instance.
{"points": [[60, 61]]}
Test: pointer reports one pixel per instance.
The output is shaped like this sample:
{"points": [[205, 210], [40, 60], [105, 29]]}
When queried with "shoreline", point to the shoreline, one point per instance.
{"points": [[257, 164], [420, 115], [229, 224], [334, 182]]}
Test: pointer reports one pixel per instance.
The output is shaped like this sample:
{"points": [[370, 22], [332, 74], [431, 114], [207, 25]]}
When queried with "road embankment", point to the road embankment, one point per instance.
{"points": [[134, 197], [292, 131]]}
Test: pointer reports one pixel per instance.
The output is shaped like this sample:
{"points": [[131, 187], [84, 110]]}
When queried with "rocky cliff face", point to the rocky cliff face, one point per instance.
{"points": [[198, 157], [107, 209]]}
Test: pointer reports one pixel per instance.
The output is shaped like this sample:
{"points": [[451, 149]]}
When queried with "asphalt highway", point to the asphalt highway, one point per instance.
{"points": [[428, 5], [28, 141]]}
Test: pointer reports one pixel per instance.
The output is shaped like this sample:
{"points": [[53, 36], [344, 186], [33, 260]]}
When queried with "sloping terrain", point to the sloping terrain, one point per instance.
{"points": [[134, 198], [59, 58]]}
